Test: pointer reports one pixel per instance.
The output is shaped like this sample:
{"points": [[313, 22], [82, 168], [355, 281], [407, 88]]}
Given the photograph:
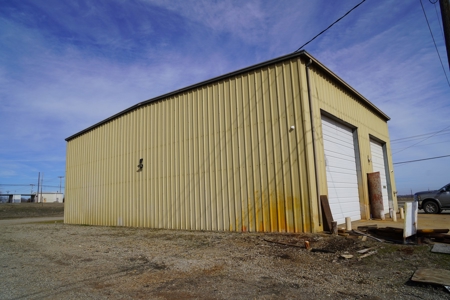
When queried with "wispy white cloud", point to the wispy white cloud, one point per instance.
{"points": [[67, 65], [392, 69], [245, 19]]}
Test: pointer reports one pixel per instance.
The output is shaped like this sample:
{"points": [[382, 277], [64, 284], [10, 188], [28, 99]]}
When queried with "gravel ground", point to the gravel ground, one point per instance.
{"points": [[58, 261]]}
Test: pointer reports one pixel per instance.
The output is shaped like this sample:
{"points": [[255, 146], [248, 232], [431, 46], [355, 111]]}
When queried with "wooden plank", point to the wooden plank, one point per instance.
{"points": [[425, 231], [394, 229], [442, 240], [326, 213], [367, 227], [436, 276], [437, 235], [387, 233], [334, 228]]}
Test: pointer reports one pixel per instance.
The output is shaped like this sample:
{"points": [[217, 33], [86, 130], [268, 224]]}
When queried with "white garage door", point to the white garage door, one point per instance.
{"points": [[378, 165], [340, 163]]}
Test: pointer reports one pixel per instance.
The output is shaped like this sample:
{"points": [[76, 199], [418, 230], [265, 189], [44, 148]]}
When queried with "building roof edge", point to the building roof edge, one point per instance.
{"points": [[301, 53]]}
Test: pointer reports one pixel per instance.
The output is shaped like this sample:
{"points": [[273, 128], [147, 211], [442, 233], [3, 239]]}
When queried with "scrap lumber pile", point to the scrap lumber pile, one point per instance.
{"points": [[396, 234], [437, 235]]}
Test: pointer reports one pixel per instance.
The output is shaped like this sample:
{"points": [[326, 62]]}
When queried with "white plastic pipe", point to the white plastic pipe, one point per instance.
{"points": [[348, 223]]}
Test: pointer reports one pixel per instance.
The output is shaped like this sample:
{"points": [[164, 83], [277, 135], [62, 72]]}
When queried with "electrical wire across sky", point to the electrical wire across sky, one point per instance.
{"points": [[329, 26]]}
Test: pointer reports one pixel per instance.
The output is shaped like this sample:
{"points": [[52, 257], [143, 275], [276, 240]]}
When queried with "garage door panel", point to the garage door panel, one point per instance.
{"points": [[341, 172], [337, 135], [336, 130], [340, 151], [346, 209], [341, 180], [378, 156], [338, 212], [338, 143], [339, 146], [339, 165], [341, 158], [343, 183], [335, 126], [345, 206], [341, 175], [338, 138], [332, 162], [345, 194], [345, 186]]}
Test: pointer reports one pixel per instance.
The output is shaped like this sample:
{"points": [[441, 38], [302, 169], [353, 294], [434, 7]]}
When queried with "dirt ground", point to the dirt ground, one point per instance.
{"points": [[52, 260]]}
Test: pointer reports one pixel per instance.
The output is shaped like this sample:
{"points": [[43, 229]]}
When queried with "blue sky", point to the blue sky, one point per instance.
{"points": [[66, 65]]}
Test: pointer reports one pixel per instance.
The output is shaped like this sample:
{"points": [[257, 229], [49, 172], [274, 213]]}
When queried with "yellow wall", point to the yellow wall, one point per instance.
{"points": [[216, 157], [329, 99], [219, 157]]}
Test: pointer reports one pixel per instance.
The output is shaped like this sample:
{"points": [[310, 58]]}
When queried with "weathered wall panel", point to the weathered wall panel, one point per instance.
{"points": [[330, 99], [218, 157], [221, 155]]}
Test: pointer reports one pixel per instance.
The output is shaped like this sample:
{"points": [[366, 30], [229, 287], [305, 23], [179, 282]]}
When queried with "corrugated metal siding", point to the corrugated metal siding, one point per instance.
{"points": [[219, 157], [329, 98]]}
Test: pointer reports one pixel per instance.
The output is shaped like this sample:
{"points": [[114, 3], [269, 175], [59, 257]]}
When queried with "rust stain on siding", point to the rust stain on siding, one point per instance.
{"points": [[278, 216], [215, 158]]}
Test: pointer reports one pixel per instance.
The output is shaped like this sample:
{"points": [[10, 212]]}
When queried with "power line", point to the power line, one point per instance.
{"points": [[329, 26], [410, 161], [405, 139], [397, 143], [444, 142], [3, 184], [421, 140], [434, 42], [437, 17]]}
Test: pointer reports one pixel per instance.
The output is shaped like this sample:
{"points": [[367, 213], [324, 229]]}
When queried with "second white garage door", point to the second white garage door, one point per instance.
{"points": [[341, 174], [378, 164]]}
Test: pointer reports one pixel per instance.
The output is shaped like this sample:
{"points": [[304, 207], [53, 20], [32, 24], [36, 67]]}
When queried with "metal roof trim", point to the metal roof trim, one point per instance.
{"points": [[351, 89], [302, 53]]}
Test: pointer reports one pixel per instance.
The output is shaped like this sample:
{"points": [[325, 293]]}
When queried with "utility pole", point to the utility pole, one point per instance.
{"points": [[31, 193], [445, 13], [42, 183], [60, 178], [38, 186]]}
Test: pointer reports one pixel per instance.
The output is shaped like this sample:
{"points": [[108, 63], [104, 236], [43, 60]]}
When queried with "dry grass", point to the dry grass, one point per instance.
{"points": [[30, 210]]}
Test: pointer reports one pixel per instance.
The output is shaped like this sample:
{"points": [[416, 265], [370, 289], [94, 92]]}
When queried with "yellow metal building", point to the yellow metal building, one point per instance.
{"points": [[247, 151]]}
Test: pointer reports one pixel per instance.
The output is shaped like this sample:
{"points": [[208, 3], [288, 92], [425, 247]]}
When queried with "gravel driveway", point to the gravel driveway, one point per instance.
{"points": [[58, 261]]}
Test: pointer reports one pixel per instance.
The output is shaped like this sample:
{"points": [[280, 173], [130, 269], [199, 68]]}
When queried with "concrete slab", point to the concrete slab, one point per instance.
{"points": [[425, 221], [441, 248]]}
